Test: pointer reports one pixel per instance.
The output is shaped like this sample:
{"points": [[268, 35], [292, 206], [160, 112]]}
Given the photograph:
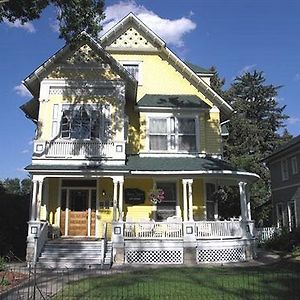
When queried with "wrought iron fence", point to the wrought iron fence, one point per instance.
{"points": [[150, 283]]}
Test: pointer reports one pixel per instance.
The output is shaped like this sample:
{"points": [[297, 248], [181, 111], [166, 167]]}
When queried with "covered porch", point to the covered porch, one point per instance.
{"points": [[113, 204]]}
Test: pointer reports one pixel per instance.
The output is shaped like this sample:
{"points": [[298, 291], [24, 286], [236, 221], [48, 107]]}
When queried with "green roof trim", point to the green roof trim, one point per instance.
{"points": [[198, 69], [137, 163], [172, 101]]}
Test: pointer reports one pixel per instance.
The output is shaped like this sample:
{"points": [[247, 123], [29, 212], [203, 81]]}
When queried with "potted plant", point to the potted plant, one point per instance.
{"points": [[156, 196]]}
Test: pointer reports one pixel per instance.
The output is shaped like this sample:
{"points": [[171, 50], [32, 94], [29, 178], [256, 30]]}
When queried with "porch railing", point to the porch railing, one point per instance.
{"points": [[41, 239], [219, 229], [65, 148], [153, 230], [266, 233]]}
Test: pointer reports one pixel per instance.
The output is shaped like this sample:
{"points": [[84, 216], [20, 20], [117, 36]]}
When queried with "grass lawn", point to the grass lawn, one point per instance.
{"points": [[279, 281]]}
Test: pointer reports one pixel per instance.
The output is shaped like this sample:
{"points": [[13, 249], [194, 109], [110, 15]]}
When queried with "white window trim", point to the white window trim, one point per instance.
{"points": [[168, 115], [284, 164], [139, 63], [294, 163]]}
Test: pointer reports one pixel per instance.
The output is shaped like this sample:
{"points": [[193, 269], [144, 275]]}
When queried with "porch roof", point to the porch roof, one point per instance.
{"points": [[137, 165]]}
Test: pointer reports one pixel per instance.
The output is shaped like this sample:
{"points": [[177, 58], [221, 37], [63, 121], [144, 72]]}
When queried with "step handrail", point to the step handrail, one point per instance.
{"points": [[104, 244]]}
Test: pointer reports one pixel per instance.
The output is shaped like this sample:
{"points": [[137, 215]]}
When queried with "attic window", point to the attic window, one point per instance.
{"points": [[133, 70]]}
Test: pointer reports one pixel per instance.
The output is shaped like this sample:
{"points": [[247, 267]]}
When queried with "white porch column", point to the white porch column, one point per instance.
{"points": [[33, 200], [243, 200], [121, 184], [39, 198], [190, 193], [248, 202], [97, 209], [115, 199], [185, 208]]}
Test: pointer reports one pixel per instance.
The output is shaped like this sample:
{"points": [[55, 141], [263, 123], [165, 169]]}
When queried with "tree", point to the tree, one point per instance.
{"points": [[216, 82], [74, 16], [253, 134], [14, 186]]}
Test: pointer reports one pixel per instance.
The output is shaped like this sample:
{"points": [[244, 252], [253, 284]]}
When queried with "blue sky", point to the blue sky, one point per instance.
{"points": [[233, 35]]}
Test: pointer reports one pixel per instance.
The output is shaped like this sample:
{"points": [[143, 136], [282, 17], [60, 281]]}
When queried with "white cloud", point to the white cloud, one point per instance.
{"points": [[28, 26], [246, 68], [24, 151], [293, 120], [22, 91], [54, 25], [297, 77], [171, 31], [21, 170]]}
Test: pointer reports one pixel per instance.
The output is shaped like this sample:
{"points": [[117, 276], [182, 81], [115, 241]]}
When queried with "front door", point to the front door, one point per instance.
{"points": [[78, 212]]}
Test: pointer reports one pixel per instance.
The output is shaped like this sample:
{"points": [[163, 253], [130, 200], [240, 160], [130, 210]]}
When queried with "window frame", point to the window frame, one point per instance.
{"points": [[284, 169], [176, 133], [137, 63], [104, 117], [294, 163]]}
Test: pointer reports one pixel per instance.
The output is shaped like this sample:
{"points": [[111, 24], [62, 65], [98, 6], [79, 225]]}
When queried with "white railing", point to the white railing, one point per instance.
{"points": [[78, 148], [41, 239], [266, 233], [153, 230], [219, 229]]}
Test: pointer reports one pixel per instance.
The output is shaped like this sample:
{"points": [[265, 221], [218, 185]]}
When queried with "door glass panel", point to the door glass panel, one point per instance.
{"points": [[78, 200], [63, 200]]}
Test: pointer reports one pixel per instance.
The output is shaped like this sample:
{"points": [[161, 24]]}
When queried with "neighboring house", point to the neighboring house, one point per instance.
{"points": [[116, 119], [284, 165]]}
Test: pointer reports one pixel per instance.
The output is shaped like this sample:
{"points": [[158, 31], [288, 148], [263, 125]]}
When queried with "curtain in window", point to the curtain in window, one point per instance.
{"points": [[158, 134]]}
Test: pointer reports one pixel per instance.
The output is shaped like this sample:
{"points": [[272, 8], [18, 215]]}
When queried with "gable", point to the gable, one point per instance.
{"points": [[200, 84], [84, 64], [86, 53], [131, 38]]}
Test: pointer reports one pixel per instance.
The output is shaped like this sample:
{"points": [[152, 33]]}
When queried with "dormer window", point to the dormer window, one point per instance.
{"points": [[172, 134]]}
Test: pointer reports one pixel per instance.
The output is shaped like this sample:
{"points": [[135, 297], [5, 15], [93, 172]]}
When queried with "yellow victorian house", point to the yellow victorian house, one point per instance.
{"points": [[128, 157]]}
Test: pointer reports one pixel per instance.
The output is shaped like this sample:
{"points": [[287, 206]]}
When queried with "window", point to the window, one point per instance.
{"points": [[85, 121], [284, 170], [132, 69], [173, 133], [294, 165], [167, 208], [210, 203]]}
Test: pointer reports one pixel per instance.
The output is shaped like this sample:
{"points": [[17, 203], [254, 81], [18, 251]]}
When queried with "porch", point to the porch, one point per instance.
{"points": [[184, 226]]}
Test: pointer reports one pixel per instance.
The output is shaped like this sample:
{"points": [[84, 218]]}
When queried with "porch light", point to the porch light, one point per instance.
{"points": [[103, 192]]}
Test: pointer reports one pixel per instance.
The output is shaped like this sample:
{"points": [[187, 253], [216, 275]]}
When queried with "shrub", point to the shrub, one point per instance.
{"points": [[284, 240]]}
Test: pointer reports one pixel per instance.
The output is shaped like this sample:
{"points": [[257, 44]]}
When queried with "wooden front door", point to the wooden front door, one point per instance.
{"points": [[78, 212]]}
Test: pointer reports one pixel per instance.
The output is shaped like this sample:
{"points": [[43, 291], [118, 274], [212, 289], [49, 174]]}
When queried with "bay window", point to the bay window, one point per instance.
{"points": [[172, 134], [85, 122]]}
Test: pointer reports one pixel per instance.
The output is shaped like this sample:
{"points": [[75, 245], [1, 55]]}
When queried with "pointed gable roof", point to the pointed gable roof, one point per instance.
{"points": [[32, 81], [116, 31]]}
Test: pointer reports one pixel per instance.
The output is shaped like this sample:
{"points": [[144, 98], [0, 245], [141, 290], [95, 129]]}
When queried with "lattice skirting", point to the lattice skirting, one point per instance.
{"points": [[154, 256], [219, 255]]}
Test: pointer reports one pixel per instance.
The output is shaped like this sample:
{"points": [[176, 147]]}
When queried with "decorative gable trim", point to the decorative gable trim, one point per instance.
{"points": [[32, 82], [185, 70]]}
